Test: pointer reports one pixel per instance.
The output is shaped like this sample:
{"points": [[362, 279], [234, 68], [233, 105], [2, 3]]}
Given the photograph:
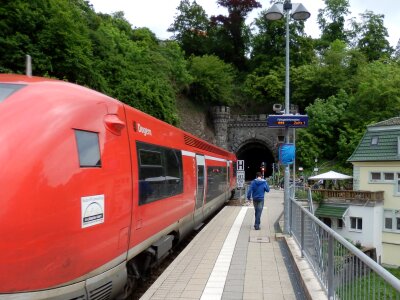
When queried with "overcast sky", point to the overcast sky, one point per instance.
{"points": [[158, 15]]}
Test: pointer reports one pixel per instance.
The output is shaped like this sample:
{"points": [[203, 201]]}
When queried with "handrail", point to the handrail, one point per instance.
{"points": [[386, 275], [349, 194]]}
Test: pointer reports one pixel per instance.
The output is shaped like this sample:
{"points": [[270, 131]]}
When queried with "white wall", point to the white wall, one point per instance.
{"points": [[371, 233]]}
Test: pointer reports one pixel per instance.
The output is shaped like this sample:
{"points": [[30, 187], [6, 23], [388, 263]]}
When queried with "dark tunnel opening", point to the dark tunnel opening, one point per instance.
{"points": [[254, 154]]}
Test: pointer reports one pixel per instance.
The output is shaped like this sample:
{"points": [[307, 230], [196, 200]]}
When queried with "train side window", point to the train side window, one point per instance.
{"points": [[160, 172], [88, 148], [6, 89], [150, 158], [173, 171]]}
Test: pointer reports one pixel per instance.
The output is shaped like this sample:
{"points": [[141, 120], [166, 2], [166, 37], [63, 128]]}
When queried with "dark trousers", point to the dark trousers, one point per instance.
{"points": [[258, 207]]}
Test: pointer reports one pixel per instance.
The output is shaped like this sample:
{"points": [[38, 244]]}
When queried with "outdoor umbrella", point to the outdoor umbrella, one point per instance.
{"points": [[331, 175]]}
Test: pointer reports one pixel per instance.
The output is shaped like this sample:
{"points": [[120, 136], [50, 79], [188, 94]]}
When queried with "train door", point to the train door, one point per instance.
{"points": [[200, 189]]}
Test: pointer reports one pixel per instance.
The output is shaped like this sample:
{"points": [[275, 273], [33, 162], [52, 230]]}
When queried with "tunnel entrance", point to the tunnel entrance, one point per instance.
{"points": [[254, 154]]}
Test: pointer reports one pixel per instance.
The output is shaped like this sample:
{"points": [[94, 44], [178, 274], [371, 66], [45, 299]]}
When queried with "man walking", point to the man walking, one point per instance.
{"points": [[257, 189]]}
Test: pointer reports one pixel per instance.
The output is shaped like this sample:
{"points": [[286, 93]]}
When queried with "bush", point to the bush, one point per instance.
{"points": [[212, 80]]}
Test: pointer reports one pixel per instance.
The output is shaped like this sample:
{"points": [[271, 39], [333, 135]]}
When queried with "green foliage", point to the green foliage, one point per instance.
{"points": [[301, 194], [233, 31], [68, 40], [327, 136], [371, 36], [349, 138], [344, 80], [269, 42], [369, 285], [317, 197], [377, 96], [331, 20], [266, 89], [190, 28], [212, 80], [308, 147], [328, 75]]}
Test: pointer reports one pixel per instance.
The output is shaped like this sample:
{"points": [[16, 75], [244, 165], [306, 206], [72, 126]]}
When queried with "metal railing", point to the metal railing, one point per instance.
{"points": [[344, 271], [351, 195]]}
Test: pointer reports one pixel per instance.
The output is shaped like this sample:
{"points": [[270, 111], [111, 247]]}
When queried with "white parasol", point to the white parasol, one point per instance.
{"points": [[331, 175]]}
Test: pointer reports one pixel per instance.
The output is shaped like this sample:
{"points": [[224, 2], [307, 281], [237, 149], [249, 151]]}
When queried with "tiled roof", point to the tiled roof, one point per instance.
{"points": [[390, 122], [379, 143], [330, 211]]}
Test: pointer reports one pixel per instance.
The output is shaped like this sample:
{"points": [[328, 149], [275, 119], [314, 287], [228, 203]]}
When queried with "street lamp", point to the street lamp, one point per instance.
{"points": [[300, 13], [316, 166]]}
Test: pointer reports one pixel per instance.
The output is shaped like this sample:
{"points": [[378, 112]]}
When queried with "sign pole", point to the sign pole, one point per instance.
{"points": [[240, 178]]}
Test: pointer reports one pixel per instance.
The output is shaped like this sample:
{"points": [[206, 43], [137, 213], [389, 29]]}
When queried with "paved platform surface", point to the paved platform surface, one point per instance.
{"points": [[228, 259]]}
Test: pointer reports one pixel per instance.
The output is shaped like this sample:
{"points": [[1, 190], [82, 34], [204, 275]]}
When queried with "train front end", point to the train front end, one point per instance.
{"points": [[65, 192]]}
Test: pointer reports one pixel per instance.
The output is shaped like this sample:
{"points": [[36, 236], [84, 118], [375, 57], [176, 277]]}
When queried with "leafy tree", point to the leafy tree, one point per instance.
{"points": [[176, 68], [143, 73], [54, 33], [331, 20], [232, 31], [396, 54], [68, 40], [371, 36], [265, 89], [265, 84], [349, 138], [327, 117], [190, 28], [377, 96], [308, 147], [269, 43], [330, 73], [212, 80], [65, 41]]}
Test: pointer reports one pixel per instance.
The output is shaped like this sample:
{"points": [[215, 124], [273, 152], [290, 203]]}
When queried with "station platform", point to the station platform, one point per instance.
{"points": [[229, 259]]}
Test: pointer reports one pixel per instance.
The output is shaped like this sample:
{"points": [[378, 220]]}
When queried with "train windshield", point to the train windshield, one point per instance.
{"points": [[6, 89]]}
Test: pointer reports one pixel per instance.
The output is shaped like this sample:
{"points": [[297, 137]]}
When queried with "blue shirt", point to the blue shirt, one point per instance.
{"points": [[257, 189]]}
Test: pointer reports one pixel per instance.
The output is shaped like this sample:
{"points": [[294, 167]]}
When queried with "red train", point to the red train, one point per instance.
{"points": [[94, 191]]}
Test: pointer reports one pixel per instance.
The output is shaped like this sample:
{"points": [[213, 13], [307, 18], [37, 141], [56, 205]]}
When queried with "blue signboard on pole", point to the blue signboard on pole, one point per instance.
{"points": [[287, 154], [292, 121]]}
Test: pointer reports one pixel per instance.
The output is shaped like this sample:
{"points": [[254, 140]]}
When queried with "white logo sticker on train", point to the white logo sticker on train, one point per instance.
{"points": [[92, 210], [145, 131]]}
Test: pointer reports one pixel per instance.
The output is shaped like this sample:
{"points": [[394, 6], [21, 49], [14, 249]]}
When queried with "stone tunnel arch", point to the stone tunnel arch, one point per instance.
{"points": [[254, 152], [249, 137]]}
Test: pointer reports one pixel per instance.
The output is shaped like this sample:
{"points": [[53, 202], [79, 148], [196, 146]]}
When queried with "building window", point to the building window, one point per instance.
{"points": [[339, 223], [391, 220], [388, 176], [385, 177], [88, 148], [375, 176], [356, 223], [389, 223], [398, 184], [374, 140], [327, 222]]}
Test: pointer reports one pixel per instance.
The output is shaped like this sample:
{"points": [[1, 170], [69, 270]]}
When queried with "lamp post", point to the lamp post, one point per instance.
{"points": [[316, 166], [276, 12]]}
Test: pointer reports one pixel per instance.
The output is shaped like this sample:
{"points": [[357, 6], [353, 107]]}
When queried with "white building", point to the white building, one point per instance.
{"points": [[376, 167]]}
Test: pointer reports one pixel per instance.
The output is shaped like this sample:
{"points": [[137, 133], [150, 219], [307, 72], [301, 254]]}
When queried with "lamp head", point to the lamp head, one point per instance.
{"points": [[300, 13], [275, 12]]}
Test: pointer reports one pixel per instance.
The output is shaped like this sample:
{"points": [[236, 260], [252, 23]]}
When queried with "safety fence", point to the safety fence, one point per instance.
{"points": [[343, 270]]}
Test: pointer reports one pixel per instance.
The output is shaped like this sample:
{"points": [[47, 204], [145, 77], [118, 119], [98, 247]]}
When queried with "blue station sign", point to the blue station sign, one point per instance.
{"points": [[282, 121]]}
